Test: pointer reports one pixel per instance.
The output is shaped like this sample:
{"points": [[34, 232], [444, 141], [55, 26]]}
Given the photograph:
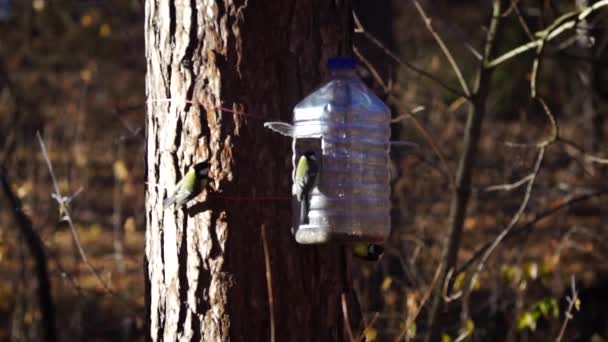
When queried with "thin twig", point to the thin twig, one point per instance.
{"points": [[360, 29], [546, 36], [572, 304], [425, 134], [63, 273], [427, 137], [349, 331], [554, 127], [508, 186], [372, 69], [64, 209], [521, 20], [444, 48], [535, 67], [445, 288], [368, 326], [462, 191], [553, 137], [455, 30], [463, 335], [520, 211], [531, 224], [411, 319], [268, 283], [504, 232], [586, 157], [508, 11]]}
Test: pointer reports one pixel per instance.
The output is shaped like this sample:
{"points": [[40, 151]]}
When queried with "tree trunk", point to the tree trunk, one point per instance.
{"points": [[205, 273]]}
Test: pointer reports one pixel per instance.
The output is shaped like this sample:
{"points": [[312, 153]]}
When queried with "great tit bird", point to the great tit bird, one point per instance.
{"points": [[369, 252], [193, 182], [306, 179]]}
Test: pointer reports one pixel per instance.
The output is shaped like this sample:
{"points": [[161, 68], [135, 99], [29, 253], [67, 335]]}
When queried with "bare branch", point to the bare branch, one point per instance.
{"points": [[425, 134], [508, 228], [508, 186], [65, 212], [553, 137], [444, 48], [429, 139], [586, 157], [349, 331], [473, 278], [63, 202], [462, 191], [268, 283], [371, 69], [423, 301], [522, 21], [535, 67], [368, 326], [531, 224], [573, 301], [360, 29], [554, 30], [554, 127], [36, 247]]}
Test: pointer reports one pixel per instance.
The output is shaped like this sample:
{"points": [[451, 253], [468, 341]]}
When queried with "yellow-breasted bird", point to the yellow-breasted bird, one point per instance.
{"points": [[368, 251], [305, 180], [192, 184]]}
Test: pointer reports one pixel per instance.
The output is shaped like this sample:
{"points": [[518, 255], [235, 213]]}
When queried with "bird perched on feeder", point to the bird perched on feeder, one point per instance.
{"points": [[369, 252], [305, 180], [192, 184]]}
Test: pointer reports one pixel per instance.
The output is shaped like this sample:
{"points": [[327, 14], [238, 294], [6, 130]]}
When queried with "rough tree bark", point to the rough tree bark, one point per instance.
{"points": [[205, 274]]}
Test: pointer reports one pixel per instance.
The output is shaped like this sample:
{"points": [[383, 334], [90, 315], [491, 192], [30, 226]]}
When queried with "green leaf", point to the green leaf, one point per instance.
{"points": [[371, 334], [459, 281], [531, 270], [543, 306], [469, 326], [386, 283], [526, 320], [411, 331], [508, 273], [577, 304], [554, 308]]}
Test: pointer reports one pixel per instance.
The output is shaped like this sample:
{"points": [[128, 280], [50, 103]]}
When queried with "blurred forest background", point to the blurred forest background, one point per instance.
{"points": [[74, 72]]}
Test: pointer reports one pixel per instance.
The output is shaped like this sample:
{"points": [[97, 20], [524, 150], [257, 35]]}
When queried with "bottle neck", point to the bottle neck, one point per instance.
{"points": [[343, 73]]}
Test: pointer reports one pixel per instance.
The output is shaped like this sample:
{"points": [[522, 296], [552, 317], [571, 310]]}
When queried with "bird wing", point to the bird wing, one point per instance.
{"points": [[177, 192], [301, 179]]}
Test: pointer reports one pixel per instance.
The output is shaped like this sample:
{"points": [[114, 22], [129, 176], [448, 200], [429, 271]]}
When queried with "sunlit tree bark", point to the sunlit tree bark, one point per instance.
{"points": [[205, 272]]}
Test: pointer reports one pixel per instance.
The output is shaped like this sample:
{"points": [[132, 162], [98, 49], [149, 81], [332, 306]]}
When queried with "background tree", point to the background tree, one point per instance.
{"points": [[205, 266]]}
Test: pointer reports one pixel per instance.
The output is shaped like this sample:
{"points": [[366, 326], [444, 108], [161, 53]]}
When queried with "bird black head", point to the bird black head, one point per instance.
{"points": [[375, 251], [310, 155], [202, 169]]}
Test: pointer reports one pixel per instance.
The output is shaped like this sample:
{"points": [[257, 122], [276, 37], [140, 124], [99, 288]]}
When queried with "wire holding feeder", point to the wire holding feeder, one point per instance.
{"points": [[283, 128], [212, 106]]}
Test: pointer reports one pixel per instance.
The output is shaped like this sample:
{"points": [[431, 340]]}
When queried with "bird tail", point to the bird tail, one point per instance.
{"points": [[169, 201], [180, 198], [304, 208]]}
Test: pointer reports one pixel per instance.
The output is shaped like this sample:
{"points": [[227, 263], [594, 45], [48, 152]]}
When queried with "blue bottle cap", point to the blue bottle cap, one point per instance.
{"points": [[340, 63]]}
